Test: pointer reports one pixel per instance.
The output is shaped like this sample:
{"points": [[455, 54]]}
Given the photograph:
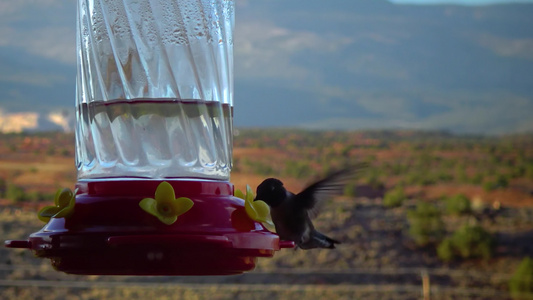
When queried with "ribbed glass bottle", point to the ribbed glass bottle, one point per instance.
{"points": [[154, 89]]}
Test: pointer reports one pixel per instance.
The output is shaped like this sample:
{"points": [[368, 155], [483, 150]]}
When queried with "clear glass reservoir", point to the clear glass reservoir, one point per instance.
{"points": [[154, 89]]}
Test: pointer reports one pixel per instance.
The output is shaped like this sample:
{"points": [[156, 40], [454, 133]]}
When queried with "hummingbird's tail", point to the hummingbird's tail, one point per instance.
{"points": [[319, 240]]}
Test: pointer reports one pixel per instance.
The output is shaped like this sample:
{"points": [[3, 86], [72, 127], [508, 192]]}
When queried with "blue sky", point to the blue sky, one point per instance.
{"points": [[461, 2], [355, 64]]}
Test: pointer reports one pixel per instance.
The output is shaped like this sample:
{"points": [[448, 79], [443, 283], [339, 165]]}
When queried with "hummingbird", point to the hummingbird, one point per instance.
{"points": [[292, 214]]}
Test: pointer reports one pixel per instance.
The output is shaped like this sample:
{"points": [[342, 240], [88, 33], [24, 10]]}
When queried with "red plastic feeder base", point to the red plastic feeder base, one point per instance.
{"points": [[110, 234]]}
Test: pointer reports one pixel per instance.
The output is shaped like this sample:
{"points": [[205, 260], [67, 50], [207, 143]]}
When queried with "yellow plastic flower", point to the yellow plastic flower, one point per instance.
{"points": [[165, 206], [64, 206], [257, 210]]}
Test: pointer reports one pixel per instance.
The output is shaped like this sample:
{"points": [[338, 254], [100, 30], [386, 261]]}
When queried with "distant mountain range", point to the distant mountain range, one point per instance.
{"points": [[465, 69], [325, 65]]}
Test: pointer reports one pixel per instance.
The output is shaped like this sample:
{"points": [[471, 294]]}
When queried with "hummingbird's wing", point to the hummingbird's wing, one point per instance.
{"points": [[315, 195]]}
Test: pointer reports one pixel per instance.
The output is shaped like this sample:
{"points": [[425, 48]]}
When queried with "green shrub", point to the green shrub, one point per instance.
{"points": [[458, 204], [398, 169], [40, 196], [3, 188], [425, 224], [420, 178], [460, 175], [16, 193], [500, 182], [445, 250], [349, 190], [521, 283], [443, 176], [51, 150], [375, 183], [65, 152], [528, 173], [467, 242], [489, 186], [372, 177], [298, 169], [477, 179], [394, 198], [258, 167]]}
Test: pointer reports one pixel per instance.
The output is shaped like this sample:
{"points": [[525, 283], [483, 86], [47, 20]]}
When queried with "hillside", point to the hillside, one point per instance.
{"points": [[385, 253]]}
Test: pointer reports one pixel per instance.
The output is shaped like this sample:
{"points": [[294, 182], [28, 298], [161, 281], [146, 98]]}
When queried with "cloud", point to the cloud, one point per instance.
{"points": [[18, 122], [45, 28], [386, 105], [461, 2], [62, 119], [506, 46], [372, 65], [33, 78], [57, 43], [11, 8], [352, 64], [265, 50]]}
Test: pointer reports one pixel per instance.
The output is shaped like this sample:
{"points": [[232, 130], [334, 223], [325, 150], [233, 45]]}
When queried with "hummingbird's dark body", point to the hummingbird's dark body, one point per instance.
{"points": [[292, 213]]}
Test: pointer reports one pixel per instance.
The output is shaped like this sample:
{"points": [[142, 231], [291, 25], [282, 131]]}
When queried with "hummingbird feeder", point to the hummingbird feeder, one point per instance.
{"points": [[154, 133]]}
